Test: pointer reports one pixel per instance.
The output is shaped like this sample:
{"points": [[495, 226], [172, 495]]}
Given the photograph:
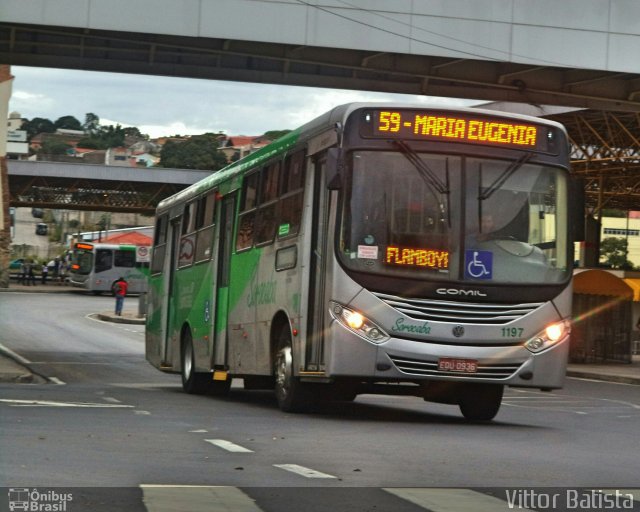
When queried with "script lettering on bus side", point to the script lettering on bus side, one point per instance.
{"points": [[262, 293], [426, 258]]}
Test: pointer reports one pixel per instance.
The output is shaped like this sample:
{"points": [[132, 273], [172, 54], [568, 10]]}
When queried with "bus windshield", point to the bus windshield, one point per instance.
{"points": [[452, 218], [82, 261]]}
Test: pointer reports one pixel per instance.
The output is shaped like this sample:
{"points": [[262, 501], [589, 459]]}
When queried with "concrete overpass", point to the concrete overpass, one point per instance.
{"points": [[575, 52], [94, 187]]}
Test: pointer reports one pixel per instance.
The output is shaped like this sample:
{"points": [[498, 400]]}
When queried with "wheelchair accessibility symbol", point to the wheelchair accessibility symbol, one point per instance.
{"points": [[478, 264]]}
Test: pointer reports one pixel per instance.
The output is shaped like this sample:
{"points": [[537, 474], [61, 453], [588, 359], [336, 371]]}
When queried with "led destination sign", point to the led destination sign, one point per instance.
{"points": [[420, 258], [411, 124]]}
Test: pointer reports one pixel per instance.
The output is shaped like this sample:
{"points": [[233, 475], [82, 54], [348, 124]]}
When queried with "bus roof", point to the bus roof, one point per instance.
{"points": [[320, 124]]}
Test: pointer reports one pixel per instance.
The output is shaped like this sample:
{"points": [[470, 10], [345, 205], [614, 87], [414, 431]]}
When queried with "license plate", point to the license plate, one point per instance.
{"points": [[449, 364]]}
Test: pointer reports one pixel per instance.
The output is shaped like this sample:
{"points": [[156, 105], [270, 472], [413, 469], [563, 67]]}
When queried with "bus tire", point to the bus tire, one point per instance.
{"points": [[292, 395], [192, 382], [481, 402]]}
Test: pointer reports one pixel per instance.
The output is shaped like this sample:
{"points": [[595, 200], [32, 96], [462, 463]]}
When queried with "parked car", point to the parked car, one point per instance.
{"points": [[15, 264], [37, 212], [42, 228]]}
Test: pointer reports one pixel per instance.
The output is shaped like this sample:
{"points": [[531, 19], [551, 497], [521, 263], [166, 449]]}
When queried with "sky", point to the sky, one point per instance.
{"points": [[162, 106]]}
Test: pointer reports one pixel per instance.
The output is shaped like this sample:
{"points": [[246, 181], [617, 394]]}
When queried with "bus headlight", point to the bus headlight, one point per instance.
{"points": [[549, 337], [358, 323]]}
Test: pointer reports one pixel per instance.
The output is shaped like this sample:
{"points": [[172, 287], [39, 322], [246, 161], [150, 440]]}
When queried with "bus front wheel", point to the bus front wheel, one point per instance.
{"points": [[291, 393], [481, 402]]}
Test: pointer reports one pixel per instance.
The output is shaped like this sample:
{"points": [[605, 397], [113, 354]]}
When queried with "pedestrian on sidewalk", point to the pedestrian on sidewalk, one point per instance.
{"points": [[32, 273], [22, 276], [120, 290], [44, 273]]}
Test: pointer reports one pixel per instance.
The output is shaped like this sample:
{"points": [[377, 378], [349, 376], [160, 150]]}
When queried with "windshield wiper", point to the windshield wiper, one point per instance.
{"points": [[426, 173], [500, 180]]}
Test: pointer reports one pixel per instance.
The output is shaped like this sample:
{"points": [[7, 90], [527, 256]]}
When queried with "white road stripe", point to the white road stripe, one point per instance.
{"points": [[302, 471], [57, 381], [454, 500], [168, 498], [142, 413], [111, 400], [199, 431], [228, 445], [49, 403]]}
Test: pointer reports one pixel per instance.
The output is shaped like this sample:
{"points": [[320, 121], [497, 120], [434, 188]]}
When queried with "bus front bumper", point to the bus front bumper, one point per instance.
{"points": [[398, 360]]}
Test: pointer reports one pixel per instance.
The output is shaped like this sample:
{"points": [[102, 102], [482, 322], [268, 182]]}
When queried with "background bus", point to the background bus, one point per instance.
{"points": [[377, 249], [96, 266]]}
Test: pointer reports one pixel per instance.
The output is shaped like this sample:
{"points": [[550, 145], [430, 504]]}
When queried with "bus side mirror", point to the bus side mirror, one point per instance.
{"points": [[577, 208], [334, 168]]}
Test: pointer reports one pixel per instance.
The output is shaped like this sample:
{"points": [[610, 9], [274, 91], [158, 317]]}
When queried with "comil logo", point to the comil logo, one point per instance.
{"points": [[37, 501], [462, 293]]}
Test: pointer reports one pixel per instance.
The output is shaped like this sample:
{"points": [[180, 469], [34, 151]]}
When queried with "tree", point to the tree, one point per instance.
{"points": [[38, 125], [54, 147], [614, 251], [91, 123], [275, 134], [198, 152], [68, 122]]}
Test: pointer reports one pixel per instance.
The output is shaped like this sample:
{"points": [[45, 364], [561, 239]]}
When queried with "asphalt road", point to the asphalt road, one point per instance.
{"points": [[114, 421]]}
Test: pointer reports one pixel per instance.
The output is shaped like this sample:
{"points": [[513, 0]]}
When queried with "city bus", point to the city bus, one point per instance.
{"points": [[377, 249], [96, 266]]}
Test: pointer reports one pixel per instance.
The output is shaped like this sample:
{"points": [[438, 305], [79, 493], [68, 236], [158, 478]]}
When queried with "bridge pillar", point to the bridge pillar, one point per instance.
{"points": [[6, 81]]}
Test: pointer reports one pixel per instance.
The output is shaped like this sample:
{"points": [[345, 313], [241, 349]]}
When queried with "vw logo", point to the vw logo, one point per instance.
{"points": [[458, 331]]}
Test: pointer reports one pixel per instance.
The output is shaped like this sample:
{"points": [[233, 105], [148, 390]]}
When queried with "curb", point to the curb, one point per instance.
{"points": [[25, 375], [119, 319], [619, 379]]}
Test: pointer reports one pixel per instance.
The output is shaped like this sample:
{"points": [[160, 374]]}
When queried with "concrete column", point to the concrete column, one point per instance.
{"points": [[6, 81]]}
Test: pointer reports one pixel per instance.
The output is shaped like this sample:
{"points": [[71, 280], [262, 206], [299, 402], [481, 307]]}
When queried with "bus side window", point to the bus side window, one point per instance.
{"points": [[159, 244], [125, 259], [104, 259], [292, 195], [205, 226], [246, 221], [266, 224]]}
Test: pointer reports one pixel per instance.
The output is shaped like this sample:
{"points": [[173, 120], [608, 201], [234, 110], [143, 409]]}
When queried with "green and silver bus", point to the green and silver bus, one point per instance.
{"points": [[97, 266], [377, 249]]}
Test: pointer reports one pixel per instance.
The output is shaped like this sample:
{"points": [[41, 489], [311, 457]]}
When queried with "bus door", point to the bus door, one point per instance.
{"points": [[221, 292], [174, 247], [316, 313]]}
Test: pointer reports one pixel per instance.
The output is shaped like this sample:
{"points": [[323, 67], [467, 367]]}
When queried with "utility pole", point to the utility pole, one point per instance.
{"points": [[6, 80]]}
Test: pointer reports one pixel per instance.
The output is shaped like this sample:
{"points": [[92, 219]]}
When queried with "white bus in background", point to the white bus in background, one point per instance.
{"points": [[96, 266]]}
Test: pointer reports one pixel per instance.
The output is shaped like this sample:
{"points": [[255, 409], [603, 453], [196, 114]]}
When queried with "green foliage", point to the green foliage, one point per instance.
{"points": [[38, 125], [54, 147], [614, 251], [91, 123], [275, 134], [104, 137], [198, 152], [614, 213], [68, 122]]}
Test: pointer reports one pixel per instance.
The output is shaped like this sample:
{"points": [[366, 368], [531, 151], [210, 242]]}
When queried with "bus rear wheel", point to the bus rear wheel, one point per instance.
{"points": [[481, 402], [192, 382], [292, 395]]}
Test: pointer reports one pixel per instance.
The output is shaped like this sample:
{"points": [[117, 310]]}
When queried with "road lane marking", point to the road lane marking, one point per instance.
{"points": [[302, 471], [111, 400], [187, 498], [142, 413], [453, 500], [199, 431], [57, 381], [50, 403], [228, 445]]}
